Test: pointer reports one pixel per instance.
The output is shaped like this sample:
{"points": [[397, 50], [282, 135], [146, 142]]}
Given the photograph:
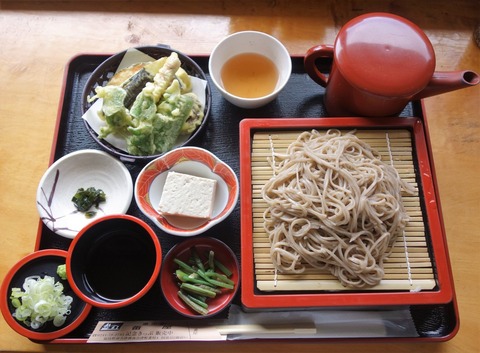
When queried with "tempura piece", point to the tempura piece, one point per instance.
{"points": [[165, 125], [163, 79], [195, 117], [113, 111]]}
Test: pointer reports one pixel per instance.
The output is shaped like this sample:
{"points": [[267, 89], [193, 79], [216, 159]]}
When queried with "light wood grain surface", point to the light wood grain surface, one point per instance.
{"points": [[37, 39]]}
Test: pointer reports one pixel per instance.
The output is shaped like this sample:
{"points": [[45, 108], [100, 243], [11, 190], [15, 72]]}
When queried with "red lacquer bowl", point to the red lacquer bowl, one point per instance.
{"points": [[41, 263], [114, 261], [182, 251]]}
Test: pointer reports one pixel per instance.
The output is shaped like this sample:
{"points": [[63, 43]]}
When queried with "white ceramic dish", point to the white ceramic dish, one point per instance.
{"points": [[188, 160], [82, 169], [250, 42]]}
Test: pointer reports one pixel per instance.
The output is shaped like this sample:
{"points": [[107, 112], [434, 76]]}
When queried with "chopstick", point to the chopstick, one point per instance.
{"points": [[259, 329]]}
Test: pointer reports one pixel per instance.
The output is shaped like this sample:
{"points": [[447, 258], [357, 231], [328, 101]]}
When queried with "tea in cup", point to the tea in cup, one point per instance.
{"points": [[250, 68]]}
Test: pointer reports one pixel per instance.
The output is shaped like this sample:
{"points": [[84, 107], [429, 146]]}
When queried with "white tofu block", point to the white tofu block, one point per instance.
{"points": [[187, 195]]}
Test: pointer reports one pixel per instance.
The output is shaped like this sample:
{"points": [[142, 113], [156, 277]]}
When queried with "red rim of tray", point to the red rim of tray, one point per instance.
{"points": [[254, 299]]}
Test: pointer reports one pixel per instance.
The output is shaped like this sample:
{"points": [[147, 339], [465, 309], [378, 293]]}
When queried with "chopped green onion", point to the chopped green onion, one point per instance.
{"points": [[41, 300]]}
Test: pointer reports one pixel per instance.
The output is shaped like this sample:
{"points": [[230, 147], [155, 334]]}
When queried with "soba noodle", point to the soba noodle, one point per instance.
{"points": [[333, 205]]}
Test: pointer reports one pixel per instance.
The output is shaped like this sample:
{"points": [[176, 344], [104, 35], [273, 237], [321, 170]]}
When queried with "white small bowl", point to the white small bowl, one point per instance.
{"points": [[82, 169], [188, 160], [250, 42]]}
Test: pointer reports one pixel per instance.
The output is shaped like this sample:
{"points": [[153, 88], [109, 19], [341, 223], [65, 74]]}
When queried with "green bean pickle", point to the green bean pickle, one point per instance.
{"points": [[199, 281]]}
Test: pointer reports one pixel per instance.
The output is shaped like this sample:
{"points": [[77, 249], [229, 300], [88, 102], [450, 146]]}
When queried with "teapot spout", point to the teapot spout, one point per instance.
{"points": [[443, 82]]}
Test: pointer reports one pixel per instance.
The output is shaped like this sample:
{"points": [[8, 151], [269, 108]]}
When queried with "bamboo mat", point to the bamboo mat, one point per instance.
{"points": [[409, 267]]}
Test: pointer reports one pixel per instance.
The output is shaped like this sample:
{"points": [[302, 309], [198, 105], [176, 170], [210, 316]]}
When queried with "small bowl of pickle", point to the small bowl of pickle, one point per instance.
{"points": [[200, 277], [80, 187]]}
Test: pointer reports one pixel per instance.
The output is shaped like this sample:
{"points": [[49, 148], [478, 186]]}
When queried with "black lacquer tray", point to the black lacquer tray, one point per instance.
{"points": [[301, 98]]}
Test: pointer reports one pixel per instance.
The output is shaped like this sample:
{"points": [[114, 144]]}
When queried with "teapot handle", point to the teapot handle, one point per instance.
{"points": [[320, 56]]}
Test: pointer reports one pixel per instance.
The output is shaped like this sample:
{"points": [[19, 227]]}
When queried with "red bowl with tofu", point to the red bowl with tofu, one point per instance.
{"points": [[184, 215]]}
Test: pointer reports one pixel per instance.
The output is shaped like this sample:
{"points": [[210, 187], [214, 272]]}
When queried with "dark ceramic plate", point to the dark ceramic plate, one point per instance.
{"points": [[105, 71]]}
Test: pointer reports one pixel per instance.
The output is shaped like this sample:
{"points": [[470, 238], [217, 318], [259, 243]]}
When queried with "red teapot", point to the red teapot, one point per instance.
{"points": [[379, 63]]}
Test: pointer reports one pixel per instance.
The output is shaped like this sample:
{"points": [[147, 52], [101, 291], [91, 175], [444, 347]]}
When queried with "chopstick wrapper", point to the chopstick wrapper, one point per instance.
{"points": [[319, 324], [241, 325]]}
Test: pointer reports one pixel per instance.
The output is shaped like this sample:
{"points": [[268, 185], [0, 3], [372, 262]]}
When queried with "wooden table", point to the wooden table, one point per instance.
{"points": [[38, 38]]}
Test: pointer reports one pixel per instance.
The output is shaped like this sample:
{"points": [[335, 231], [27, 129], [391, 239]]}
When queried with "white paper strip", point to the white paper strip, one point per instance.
{"points": [[151, 331]]}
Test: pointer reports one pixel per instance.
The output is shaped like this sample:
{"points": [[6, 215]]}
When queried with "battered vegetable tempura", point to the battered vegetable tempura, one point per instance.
{"points": [[164, 107]]}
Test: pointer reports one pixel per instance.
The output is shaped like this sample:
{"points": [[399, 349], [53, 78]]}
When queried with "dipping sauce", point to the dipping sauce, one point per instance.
{"points": [[119, 264], [249, 75]]}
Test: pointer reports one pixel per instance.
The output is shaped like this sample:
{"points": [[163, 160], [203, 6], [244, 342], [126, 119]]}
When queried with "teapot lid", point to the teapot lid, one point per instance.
{"points": [[385, 54]]}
